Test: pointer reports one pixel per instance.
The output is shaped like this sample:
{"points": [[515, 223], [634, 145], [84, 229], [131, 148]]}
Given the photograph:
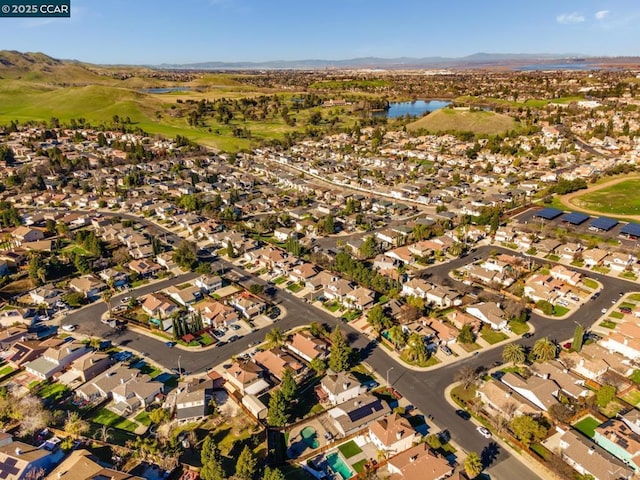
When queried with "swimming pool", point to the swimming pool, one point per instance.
{"points": [[310, 437], [337, 465]]}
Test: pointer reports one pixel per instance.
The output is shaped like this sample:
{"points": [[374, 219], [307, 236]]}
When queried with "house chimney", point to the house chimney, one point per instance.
{"points": [[413, 459], [591, 450], [18, 451], [398, 435], [345, 385]]}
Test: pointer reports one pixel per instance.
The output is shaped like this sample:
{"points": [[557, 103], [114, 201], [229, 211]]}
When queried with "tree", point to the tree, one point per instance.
{"points": [[329, 225], [473, 465], [605, 395], [318, 365], [416, 349], [246, 464], [397, 336], [256, 288], [185, 255], [75, 426], [277, 416], [545, 307], [378, 320], [513, 353], [544, 350], [32, 415], [106, 297], [288, 385], [104, 434], [527, 429], [369, 247], [272, 474], [159, 415], [340, 352], [466, 335], [466, 376], [210, 458], [274, 337], [578, 337]]}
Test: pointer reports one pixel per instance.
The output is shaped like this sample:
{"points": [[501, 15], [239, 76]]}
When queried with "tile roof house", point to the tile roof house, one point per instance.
{"points": [[276, 361], [393, 434], [499, 399], [489, 313], [190, 400], [56, 359], [158, 305], [216, 313], [248, 305], [625, 340], [82, 465], [587, 458], [419, 463], [307, 346], [340, 387], [539, 391], [184, 296], [89, 285], [209, 283], [144, 267], [20, 460], [356, 413], [245, 377], [617, 438]]}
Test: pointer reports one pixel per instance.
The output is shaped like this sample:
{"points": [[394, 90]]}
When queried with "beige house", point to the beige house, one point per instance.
{"points": [[393, 434]]}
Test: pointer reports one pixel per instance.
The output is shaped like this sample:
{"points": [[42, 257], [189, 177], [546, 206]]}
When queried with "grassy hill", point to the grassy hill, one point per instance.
{"points": [[479, 122]]}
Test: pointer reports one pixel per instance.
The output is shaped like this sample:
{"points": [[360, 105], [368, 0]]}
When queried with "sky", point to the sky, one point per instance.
{"points": [[151, 32]]}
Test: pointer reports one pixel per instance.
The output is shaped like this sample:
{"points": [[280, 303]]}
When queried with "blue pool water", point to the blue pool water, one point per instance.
{"points": [[310, 437], [337, 465]]}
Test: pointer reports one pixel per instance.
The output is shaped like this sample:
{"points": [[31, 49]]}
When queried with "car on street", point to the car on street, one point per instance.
{"points": [[527, 335], [603, 311], [125, 300], [484, 432], [233, 338], [463, 414], [170, 344], [68, 328]]}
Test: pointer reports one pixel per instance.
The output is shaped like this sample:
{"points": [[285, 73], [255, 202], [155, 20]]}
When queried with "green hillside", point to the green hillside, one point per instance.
{"points": [[479, 122]]}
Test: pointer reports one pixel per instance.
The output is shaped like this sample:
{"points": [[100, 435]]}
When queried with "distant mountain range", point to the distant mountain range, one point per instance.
{"points": [[477, 59]]}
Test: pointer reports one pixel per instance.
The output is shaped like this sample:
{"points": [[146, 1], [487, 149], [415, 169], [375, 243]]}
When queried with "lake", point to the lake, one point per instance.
{"points": [[166, 90], [414, 109]]}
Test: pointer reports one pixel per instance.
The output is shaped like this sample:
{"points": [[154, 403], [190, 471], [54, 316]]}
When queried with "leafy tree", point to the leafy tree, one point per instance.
{"points": [[288, 385], [466, 335], [159, 415], [185, 255], [75, 426], [318, 365], [274, 337], [545, 307], [378, 320], [256, 288], [277, 416], [514, 353], [528, 430], [246, 464], [369, 247], [473, 465], [544, 350], [340, 353], [416, 349], [397, 336], [317, 330], [107, 295], [272, 474], [329, 225], [605, 395], [210, 458], [578, 337], [433, 441]]}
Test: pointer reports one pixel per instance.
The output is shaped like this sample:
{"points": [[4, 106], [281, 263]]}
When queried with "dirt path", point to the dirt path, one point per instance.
{"points": [[568, 199]]}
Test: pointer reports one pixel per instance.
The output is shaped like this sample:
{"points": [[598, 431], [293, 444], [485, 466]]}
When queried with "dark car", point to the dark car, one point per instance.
{"points": [[527, 335], [463, 414], [170, 344], [233, 338], [625, 309]]}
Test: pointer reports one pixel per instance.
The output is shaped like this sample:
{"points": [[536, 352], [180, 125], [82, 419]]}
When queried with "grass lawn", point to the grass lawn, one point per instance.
{"points": [[470, 347], [432, 360], [139, 283], [52, 391], [107, 417], [295, 287], [351, 315], [150, 370], [632, 398], [617, 315], [620, 198], [479, 122], [628, 275], [541, 450], [587, 426], [627, 305], [600, 269], [635, 376], [612, 409], [608, 324], [559, 311], [634, 297], [143, 418], [205, 340], [519, 328], [466, 395], [491, 336], [592, 284], [279, 280], [349, 449], [332, 306], [359, 466], [6, 370]]}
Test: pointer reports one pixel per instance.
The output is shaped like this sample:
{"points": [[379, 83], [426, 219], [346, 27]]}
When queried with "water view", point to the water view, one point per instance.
{"points": [[415, 109], [166, 90]]}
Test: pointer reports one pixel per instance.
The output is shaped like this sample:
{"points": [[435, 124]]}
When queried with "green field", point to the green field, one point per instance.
{"points": [[107, 417], [587, 426], [620, 199], [349, 449], [478, 122]]}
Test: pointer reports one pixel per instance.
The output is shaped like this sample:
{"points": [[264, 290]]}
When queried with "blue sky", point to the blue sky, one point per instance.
{"points": [[185, 31]]}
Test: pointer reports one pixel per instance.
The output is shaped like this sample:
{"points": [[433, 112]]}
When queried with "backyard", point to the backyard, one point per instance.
{"points": [[587, 426], [111, 419]]}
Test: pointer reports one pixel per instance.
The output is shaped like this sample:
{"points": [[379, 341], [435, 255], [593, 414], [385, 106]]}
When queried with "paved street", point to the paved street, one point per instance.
{"points": [[424, 389]]}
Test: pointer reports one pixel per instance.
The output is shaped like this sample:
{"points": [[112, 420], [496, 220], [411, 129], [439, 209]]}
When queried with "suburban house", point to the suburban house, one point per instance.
{"points": [[625, 340], [190, 400], [248, 305], [393, 434], [489, 313], [587, 458], [82, 465], [86, 367], [216, 313], [419, 463], [283, 234], [158, 305], [245, 377], [56, 359], [360, 298], [498, 399], [24, 234], [539, 391], [11, 335], [184, 296], [619, 262], [617, 438], [307, 346], [209, 283], [20, 460], [144, 267], [571, 384], [276, 361], [589, 362], [560, 272], [119, 279], [339, 387], [593, 257], [303, 272], [89, 285], [357, 413], [46, 294]]}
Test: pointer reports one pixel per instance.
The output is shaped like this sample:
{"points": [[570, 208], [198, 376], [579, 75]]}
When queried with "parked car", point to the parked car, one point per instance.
{"points": [[527, 335], [625, 309], [68, 328], [463, 414], [603, 311], [484, 432], [446, 350], [170, 344]]}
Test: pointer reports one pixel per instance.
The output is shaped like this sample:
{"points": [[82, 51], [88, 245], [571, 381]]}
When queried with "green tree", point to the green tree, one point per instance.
{"points": [[75, 426], [210, 458], [513, 353], [185, 255], [473, 465], [159, 415], [340, 352], [578, 337], [329, 225], [318, 365], [288, 385], [545, 307], [378, 320], [416, 349], [527, 429], [277, 416], [369, 247], [272, 474], [544, 350], [605, 395], [397, 336], [274, 337], [256, 288], [246, 464], [466, 335], [35, 264], [107, 295]]}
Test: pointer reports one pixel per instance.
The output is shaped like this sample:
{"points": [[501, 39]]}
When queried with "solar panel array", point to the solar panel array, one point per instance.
{"points": [[575, 218], [604, 223], [549, 213], [632, 229]]}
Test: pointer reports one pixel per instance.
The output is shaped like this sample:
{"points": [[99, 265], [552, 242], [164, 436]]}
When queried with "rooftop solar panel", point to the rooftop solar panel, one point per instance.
{"points": [[604, 223], [631, 229], [549, 213], [574, 218]]}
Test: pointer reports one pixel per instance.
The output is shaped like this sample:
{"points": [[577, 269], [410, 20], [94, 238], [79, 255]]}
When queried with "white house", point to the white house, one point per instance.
{"points": [[489, 313], [341, 387]]}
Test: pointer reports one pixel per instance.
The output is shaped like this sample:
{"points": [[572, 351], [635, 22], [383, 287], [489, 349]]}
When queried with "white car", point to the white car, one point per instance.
{"points": [[68, 328], [484, 432], [603, 311]]}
